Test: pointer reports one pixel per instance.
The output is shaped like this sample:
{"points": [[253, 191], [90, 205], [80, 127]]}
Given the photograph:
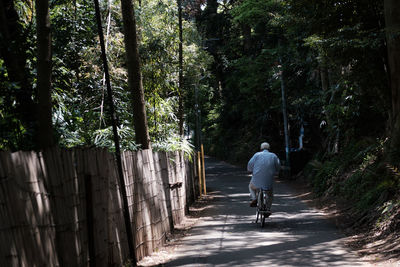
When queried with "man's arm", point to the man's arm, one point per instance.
{"points": [[277, 165], [250, 165]]}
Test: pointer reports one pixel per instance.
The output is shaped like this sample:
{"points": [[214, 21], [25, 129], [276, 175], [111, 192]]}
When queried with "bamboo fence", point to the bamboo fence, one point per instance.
{"points": [[64, 207]]}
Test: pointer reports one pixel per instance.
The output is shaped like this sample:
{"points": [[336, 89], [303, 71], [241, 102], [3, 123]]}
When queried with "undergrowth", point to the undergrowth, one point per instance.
{"points": [[359, 175]]}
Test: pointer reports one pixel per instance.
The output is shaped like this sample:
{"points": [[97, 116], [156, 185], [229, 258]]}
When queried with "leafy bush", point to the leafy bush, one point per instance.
{"points": [[175, 143], [358, 174], [324, 172]]}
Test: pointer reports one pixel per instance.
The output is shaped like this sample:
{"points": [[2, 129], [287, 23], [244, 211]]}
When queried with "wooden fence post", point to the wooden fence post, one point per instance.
{"points": [[203, 170], [199, 172]]}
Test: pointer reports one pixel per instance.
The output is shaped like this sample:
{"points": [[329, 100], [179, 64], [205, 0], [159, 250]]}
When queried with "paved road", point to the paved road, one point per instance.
{"points": [[294, 235]]}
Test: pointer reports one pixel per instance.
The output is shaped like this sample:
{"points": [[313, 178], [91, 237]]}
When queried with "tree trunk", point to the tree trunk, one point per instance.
{"points": [[45, 130], [13, 51], [180, 108], [246, 30], [392, 19], [134, 75], [325, 88]]}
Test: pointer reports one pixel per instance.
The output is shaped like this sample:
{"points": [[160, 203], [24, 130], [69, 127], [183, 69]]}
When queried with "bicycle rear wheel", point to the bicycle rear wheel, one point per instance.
{"points": [[257, 215], [262, 219]]}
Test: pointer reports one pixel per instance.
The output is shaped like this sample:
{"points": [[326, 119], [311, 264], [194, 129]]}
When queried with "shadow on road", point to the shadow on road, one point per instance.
{"points": [[294, 235]]}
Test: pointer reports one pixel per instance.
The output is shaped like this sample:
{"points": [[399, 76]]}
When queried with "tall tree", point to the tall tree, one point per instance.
{"points": [[180, 108], [392, 19], [127, 215], [134, 74], [45, 129], [13, 50]]}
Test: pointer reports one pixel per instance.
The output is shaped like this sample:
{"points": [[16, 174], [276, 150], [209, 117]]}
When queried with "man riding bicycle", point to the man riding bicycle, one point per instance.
{"points": [[264, 165]]}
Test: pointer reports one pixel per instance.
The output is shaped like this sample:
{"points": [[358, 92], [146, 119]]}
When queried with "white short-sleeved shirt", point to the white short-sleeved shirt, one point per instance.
{"points": [[264, 165]]}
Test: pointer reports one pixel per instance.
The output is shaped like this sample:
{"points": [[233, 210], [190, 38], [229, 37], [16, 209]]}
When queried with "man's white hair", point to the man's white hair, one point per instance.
{"points": [[264, 145]]}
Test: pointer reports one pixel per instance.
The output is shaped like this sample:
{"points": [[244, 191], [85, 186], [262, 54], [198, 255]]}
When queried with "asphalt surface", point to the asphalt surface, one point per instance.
{"points": [[294, 235]]}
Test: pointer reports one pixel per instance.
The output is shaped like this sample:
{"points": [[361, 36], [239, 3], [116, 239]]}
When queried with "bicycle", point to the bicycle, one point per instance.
{"points": [[262, 210]]}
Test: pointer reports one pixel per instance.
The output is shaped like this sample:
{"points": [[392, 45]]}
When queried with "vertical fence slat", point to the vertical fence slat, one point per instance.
{"points": [[83, 234]]}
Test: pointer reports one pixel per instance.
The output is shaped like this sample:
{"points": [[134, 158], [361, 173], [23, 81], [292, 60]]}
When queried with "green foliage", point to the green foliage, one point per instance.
{"points": [[104, 138], [81, 114], [254, 12], [307, 36], [175, 143], [332, 55], [359, 175]]}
